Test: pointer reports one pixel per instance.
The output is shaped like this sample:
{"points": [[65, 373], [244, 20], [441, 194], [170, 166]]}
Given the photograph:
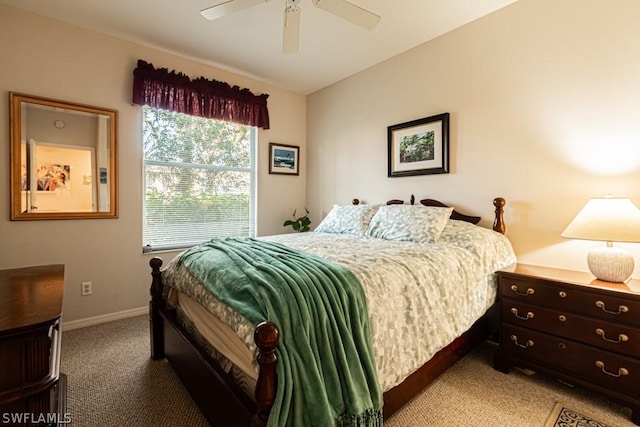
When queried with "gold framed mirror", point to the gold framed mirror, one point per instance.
{"points": [[63, 159]]}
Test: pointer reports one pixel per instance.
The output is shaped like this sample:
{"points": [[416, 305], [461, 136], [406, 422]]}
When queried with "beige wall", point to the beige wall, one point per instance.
{"points": [[544, 98], [46, 58]]}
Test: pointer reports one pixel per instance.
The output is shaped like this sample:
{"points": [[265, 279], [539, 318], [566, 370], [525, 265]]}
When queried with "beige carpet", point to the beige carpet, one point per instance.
{"points": [[113, 382]]}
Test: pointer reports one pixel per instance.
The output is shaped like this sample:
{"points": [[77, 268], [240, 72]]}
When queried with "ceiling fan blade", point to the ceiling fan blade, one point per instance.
{"points": [[291, 30], [225, 7], [349, 11]]}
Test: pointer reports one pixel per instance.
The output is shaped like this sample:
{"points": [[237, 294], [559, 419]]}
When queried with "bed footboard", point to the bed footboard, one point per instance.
{"points": [[266, 337]]}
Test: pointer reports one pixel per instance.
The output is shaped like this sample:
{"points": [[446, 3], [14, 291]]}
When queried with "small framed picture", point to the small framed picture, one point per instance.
{"points": [[284, 159], [419, 147]]}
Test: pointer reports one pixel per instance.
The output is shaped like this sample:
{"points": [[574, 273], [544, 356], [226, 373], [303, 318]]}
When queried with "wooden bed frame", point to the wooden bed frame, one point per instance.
{"points": [[222, 402]]}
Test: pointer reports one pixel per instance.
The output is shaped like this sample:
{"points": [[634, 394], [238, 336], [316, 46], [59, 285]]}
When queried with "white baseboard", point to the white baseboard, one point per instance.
{"points": [[96, 320]]}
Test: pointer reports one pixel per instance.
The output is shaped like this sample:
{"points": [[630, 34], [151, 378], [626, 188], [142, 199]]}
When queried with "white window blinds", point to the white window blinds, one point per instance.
{"points": [[199, 179]]}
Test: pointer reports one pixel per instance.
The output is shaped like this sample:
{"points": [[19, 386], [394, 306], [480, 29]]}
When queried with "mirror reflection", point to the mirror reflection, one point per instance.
{"points": [[63, 159]]}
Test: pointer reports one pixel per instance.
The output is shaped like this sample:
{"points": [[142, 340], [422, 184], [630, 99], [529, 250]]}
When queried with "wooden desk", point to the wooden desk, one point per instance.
{"points": [[30, 340]]}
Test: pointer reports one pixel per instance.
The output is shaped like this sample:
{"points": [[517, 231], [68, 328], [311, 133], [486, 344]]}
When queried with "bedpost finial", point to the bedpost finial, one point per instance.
{"points": [[355, 202], [155, 263], [266, 336], [156, 282], [412, 200], [498, 222]]}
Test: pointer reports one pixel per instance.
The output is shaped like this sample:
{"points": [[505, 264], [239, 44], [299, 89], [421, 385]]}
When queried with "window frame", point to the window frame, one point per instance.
{"points": [[251, 170]]}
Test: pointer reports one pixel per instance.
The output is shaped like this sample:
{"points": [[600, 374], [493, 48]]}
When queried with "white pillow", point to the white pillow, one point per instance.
{"points": [[421, 224], [352, 219]]}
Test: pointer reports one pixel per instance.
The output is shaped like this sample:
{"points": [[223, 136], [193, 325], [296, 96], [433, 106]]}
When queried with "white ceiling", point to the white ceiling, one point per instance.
{"points": [[250, 41]]}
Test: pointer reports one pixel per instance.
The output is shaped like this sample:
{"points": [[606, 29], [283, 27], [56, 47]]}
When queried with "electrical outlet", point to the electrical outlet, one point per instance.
{"points": [[86, 288]]}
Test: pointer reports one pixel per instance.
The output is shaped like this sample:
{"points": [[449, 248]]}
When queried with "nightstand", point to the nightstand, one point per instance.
{"points": [[571, 326]]}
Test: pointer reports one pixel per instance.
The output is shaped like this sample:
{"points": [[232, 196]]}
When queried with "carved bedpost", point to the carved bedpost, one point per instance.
{"points": [[155, 319], [498, 223], [266, 337]]}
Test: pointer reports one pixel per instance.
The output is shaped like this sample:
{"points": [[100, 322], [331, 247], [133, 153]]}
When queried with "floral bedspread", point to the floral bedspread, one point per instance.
{"points": [[420, 296]]}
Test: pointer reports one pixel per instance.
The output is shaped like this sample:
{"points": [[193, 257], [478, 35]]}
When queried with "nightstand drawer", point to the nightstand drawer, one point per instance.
{"points": [[606, 335], [599, 366], [529, 291], [594, 303]]}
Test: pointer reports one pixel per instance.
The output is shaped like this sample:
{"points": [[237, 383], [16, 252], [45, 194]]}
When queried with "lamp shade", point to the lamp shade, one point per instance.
{"points": [[609, 219], [612, 220]]}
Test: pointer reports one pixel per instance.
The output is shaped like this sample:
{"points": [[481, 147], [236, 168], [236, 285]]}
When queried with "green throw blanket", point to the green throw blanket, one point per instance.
{"points": [[326, 369]]}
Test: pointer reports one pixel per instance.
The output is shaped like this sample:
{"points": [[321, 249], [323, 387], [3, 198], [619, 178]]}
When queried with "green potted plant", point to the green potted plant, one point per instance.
{"points": [[299, 224]]}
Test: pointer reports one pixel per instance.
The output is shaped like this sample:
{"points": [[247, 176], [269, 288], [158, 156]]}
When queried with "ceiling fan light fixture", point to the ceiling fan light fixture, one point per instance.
{"points": [[291, 6]]}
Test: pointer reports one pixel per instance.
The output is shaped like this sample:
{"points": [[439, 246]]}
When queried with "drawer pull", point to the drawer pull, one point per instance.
{"points": [[621, 309], [527, 317], [562, 318], [621, 371], [530, 291], [529, 343], [621, 337], [562, 294]]}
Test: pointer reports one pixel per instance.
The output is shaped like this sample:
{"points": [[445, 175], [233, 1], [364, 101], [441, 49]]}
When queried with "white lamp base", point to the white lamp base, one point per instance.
{"points": [[611, 264]]}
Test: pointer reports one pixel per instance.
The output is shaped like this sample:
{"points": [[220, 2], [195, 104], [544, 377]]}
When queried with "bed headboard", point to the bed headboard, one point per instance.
{"points": [[498, 203]]}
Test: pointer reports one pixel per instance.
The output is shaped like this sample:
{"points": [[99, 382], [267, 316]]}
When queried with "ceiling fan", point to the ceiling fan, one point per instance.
{"points": [[291, 31]]}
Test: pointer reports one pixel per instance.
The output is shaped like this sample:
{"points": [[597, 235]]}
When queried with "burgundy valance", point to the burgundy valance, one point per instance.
{"points": [[159, 88]]}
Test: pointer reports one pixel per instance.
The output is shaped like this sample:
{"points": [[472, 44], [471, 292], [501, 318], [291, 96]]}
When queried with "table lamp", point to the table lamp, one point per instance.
{"points": [[609, 219]]}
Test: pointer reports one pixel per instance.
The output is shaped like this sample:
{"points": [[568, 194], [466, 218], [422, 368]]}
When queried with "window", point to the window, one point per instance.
{"points": [[199, 179]]}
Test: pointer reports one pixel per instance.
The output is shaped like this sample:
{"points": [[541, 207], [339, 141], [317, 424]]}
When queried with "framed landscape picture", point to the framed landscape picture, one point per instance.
{"points": [[419, 147], [284, 159]]}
